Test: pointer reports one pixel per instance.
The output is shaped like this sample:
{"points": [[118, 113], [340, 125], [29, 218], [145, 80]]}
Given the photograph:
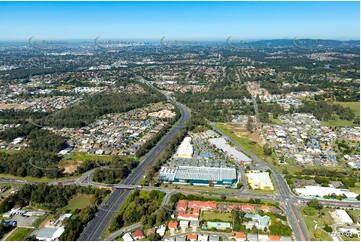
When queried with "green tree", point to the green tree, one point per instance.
{"points": [[315, 203], [249, 125]]}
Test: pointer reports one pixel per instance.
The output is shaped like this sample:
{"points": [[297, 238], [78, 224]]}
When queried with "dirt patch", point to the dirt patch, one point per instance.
{"points": [[71, 166], [13, 106], [240, 130]]}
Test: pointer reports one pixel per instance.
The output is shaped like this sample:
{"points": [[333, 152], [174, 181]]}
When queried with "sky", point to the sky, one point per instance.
{"points": [[179, 20]]}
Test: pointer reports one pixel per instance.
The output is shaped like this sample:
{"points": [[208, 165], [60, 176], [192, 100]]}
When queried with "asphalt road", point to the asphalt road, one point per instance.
{"points": [[283, 193], [107, 210], [122, 230]]}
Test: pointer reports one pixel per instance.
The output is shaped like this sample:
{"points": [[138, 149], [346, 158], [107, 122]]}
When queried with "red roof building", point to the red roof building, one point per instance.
{"points": [[247, 208], [274, 238], [240, 236], [192, 237], [265, 208], [173, 224], [137, 235]]}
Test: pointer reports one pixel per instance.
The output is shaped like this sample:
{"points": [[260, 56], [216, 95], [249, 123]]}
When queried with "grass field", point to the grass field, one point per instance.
{"points": [[338, 122], [354, 106], [19, 234], [356, 214], [33, 179], [355, 189], [85, 157], [212, 215], [311, 222], [41, 221], [79, 201], [276, 121], [65, 87], [145, 195]]}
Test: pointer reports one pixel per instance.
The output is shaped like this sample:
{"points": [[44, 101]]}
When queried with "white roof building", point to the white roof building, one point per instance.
{"points": [[343, 216], [185, 149], [161, 230], [203, 237], [222, 144], [324, 191], [50, 233], [127, 237]]}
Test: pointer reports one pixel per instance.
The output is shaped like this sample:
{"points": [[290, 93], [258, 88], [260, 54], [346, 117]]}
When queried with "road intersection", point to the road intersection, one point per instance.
{"points": [[283, 195]]}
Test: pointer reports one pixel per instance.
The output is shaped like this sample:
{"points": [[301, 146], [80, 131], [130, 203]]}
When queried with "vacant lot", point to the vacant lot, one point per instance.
{"points": [[257, 149], [213, 215], [338, 123], [79, 201], [13, 106], [70, 166], [19, 234], [355, 107], [320, 218]]}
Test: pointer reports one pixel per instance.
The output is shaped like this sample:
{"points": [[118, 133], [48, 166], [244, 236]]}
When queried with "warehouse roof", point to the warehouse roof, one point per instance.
{"points": [[205, 173], [323, 191], [222, 144]]}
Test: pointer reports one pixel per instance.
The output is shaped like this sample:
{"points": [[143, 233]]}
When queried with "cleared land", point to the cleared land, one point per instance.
{"points": [[216, 216], [320, 220], [19, 234], [354, 106], [257, 150], [79, 201]]}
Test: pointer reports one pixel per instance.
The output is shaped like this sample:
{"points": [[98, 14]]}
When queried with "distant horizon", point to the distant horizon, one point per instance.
{"points": [[202, 21], [169, 39]]}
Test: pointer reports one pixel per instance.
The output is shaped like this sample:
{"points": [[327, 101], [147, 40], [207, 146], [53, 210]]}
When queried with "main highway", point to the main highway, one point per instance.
{"points": [[107, 210], [110, 206]]}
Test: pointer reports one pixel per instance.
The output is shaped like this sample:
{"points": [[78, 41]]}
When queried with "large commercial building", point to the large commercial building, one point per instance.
{"points": [[221, 143], [201, 176], [260, 180], [185, 149], [319, 191]]}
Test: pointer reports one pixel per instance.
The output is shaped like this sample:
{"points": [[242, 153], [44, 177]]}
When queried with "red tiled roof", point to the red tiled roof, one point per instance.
{"points": [[247, 208], [173, 224], [240, 235], [264, 208], [138, 233], [274, 238], [192, 236]]}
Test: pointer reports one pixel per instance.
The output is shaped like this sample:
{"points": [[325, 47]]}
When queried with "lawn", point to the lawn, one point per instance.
{"points": [[19, 234], [33, 179], [355, 107], [79, 201], [64, 87], [355, 213], [85, 157], [213, 215], [40, 222], [276, 121], [338, 122], [355, 189], [311, 220]]}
